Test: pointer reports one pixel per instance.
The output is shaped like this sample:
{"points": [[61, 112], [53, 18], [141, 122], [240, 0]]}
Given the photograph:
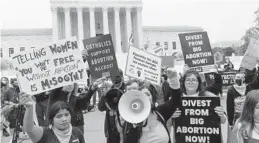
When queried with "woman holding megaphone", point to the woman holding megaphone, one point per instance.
{"points": [[141, 121]]}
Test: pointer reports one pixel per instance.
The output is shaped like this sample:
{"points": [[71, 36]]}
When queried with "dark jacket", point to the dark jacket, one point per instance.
{"points": [[110, 129], [77, 104], [165, 88], [232, 97], [254, 84]]}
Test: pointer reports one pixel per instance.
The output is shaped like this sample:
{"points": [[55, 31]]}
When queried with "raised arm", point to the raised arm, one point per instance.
{"points": [[35, 132], [167, 109]]}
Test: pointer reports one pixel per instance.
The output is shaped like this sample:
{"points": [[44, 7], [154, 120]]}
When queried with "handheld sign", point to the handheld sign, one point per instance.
{"points": [[227, 78], [143, 65], [198, 123], [101, 57], [251, 56], [197, 51], [45, 68]]}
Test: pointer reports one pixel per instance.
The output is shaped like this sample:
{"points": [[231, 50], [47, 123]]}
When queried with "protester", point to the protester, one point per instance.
{"points": [[246, 129], [192, 86], [77, 103], [236, 98], [11, 101], [254, 82], [110, 129], [154, 127], [60, 129], [4, 85], [229, 65]]}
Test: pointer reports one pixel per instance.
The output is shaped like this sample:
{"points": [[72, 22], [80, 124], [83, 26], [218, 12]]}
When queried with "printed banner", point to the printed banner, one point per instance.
{"points": [[101, 57], [196, 49], [45, 68], [198, 123], [143, 65], [251, 56], [227, 78]]}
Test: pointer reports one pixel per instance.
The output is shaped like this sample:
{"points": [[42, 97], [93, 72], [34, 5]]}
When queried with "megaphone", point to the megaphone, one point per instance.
{"points": [[134, 106], [112, 98]]}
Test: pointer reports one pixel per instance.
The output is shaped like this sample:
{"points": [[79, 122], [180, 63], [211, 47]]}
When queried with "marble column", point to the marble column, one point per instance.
{"points": [[128, 27], [140, 43], [67, 22], [54, 23], [92, 22], [105, 21], [117, 29], [80, 23]]}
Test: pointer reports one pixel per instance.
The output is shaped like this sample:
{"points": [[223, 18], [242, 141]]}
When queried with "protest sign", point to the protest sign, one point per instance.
{"points": [[198, 123], [101, 57], [227, 78], [143, 65], [196, 50], [45, 68], [251, 56]]}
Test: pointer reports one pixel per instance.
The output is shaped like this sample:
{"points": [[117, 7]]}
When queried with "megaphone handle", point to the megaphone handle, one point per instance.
{"points": [[119, 120]]}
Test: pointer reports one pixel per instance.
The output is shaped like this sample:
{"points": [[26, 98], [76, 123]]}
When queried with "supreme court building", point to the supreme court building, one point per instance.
{"points": [[89, 18]]}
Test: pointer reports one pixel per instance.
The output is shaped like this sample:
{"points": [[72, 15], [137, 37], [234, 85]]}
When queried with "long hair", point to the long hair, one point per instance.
{"points": [[247, 115], [55, 108], [188, 73]]}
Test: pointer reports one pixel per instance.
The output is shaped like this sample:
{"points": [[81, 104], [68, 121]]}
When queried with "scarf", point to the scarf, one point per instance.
{"points": [[63, 136], [240, 89]]}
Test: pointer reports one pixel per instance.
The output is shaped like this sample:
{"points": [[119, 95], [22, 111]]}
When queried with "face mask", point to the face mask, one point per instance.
{"points": [[3, 83], [239, 82]]}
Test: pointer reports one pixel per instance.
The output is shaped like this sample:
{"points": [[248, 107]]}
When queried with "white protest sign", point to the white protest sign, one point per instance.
{"points": [[52, 66], [143, 65], [249, 60]]}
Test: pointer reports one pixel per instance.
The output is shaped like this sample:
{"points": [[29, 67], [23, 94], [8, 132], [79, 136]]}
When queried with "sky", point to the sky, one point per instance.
{"points": [[224, 20]]}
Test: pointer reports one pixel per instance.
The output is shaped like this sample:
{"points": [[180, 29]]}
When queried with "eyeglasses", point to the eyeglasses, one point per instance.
{"points": [[191, 81]]}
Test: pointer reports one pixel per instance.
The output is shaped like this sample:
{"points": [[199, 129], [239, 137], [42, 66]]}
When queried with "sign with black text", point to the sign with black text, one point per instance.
{"points": [[45, 68], [143, 65], [198, 123], [101, 57], [196, 49]]}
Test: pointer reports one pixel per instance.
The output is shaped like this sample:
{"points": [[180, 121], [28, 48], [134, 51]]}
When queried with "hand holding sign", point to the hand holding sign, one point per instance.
{"points": [[219, 110], [25, 99], [177, 114]]}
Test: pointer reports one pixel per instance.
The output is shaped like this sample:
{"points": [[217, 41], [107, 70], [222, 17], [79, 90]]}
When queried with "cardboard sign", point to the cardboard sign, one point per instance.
{"points": [[101, 57], [45, 68], [196, 49], [198, 123], [249, 60], [227, 78], [143, 65]]}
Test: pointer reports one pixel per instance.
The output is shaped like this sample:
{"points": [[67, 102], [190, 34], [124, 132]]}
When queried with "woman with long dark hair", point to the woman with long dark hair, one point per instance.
{"points": [[60, 129], [69, 95], [246, 129]]}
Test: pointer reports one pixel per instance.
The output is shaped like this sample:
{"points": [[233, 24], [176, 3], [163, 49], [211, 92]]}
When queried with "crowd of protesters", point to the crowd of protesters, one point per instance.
{"points": [[60, 118]]}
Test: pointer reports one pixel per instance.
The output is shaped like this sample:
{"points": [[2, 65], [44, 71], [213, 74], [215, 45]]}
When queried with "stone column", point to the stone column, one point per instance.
{"points": [[140, 43], [92, 22], [80, 23], [54, 23], [105, 21], [128, 27], [117, 29], [67, 22]]}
